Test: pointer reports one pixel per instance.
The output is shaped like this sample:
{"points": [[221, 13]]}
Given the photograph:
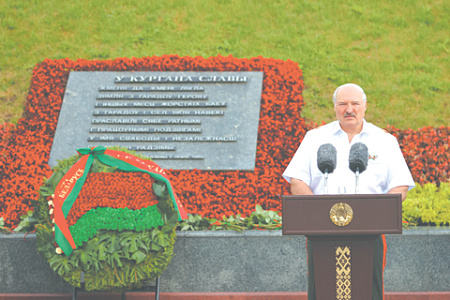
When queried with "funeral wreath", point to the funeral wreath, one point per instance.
{"points": [[110, 215]]}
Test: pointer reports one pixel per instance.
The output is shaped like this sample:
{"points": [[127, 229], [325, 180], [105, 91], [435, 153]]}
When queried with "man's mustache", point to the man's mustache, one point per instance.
{"points": [[349, 115]]}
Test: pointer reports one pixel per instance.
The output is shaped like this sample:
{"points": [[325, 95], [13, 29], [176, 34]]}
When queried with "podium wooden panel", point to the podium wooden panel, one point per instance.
{"points": [[342, 255]]}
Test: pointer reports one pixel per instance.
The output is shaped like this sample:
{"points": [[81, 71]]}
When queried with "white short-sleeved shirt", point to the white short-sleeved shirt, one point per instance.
{"points": [[386, 167]]}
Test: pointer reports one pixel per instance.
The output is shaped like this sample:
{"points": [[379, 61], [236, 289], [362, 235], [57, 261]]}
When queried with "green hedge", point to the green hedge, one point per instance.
{"points": [[428, 205]]}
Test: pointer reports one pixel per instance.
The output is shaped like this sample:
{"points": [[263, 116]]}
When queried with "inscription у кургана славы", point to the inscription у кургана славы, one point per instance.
{"points": [[182, 120], [213, 78]]}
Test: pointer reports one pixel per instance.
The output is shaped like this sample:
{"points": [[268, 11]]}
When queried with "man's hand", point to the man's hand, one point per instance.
{"points": [[403, 189], [298, 187]]}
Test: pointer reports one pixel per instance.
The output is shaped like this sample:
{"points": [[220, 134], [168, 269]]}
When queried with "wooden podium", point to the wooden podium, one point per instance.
{"points": [[342, 230]]}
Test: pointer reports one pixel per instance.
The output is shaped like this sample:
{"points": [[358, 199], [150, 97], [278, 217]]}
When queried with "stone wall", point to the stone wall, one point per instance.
{"points": [[253, 261]]}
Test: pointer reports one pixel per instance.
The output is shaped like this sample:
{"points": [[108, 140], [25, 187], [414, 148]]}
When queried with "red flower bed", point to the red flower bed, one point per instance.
{"points": [[23, 164], [212, 194], [426, 152], [25, 149]]}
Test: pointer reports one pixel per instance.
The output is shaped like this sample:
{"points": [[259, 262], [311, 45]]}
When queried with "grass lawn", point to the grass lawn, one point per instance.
{"points": [[398, 51]]}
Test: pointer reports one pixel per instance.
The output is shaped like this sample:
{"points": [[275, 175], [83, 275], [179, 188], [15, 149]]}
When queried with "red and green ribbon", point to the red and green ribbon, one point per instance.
{"points": [[70, 185]]}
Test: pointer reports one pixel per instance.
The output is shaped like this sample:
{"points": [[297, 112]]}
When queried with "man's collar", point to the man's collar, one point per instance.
{"points": [[337, 127], [365, 127]]}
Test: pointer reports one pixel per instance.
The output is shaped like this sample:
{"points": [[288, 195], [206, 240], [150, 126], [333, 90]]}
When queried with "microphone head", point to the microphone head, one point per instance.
{"points": [[358, 157], [326, 158]]}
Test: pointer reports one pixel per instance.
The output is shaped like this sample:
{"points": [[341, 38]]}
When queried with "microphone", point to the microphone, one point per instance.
{"points": [[326, 158], [326, 161], [358, 160]]}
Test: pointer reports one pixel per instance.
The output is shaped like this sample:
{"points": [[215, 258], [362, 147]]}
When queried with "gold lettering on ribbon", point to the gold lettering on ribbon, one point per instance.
{"points": [[67, 184]]}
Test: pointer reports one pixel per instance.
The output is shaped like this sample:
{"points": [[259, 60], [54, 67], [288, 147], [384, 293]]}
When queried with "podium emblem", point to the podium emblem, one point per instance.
{"points": [[341, 214]]}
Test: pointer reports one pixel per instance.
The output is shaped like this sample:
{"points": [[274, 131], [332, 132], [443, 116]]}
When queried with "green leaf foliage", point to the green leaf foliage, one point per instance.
{"points": [[259, 219], [50, 184], [159, 189], [428, 205], [123, 260], [62, 264], [194, 223], [265, 219], [98, 167], [27, 222], [2, 228]]}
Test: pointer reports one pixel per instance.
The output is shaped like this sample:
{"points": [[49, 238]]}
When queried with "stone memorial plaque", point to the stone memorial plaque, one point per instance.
{"points": [[182, 120]]}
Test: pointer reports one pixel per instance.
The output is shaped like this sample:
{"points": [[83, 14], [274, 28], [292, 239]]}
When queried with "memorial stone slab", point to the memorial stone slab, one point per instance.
{"points": [[182, 120]]}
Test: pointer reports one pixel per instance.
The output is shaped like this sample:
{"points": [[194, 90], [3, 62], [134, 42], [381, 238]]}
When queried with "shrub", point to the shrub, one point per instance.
{"points": [[428, 205]]}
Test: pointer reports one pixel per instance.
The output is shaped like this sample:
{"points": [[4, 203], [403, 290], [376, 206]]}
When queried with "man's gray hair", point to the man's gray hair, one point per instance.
{"points": [[349, 84]]}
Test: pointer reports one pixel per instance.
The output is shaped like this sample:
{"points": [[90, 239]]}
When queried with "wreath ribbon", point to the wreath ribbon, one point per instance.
{"points": [[70, 185]]}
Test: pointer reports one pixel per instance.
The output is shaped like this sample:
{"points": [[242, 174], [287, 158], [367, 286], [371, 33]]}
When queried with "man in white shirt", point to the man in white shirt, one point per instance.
{"points": [[386, 171]]}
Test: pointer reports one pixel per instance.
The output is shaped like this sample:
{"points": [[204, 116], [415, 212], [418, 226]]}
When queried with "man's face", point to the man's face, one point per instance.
{"points": [[350, 108]]}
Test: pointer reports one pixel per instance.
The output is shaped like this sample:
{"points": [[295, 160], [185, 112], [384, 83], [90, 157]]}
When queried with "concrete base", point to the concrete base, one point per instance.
{"points": [[216, 296], [249, 262]]}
